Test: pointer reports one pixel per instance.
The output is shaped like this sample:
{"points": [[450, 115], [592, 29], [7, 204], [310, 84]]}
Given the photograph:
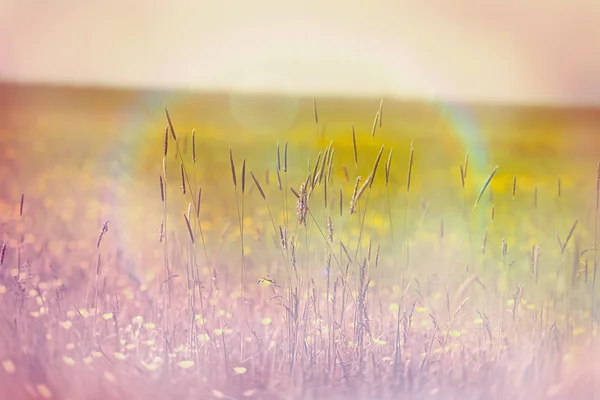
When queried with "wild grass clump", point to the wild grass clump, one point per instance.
{"points": [[306, 297]]}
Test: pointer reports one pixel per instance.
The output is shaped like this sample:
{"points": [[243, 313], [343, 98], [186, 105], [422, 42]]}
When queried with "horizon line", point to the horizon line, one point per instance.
{"points": [[348, 95]]}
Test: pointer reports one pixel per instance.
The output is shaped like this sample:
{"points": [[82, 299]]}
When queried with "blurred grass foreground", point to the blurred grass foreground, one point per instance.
{"points": [[241, 246]]}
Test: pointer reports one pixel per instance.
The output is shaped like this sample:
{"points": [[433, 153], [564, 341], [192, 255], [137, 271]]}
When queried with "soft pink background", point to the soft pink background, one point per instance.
{"points": [[516, 51]]}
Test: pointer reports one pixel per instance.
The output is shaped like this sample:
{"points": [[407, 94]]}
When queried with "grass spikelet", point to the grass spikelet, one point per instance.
{"points": [[21, 205], [367, 182], [514, 186], [183, 188], [232, 165], [164, 165], [564, 245], [330, 166], [381, 113], [279, 185], [388, 166], [375, 122], [285, 156], [243, 176], [354, 148], [315, 112], [375, 166], [2, 254], [103, 232], [346, 252], [295, 192], [260, 189], [283, 238], [314, 175], [302, 204], [170, 124], [466, 168], [194, 145], [166, 142], [189, 228], [346, 175], [162, 189], [485, 185], [354, 195], [322, 172], [410, 165], [161, 232], [199, 201], [278, 157]]}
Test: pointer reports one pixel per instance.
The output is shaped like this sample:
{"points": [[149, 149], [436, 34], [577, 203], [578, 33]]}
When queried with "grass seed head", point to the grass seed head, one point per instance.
{"points": [[2, 253], [166, 142], [194, 145], [232, 165], [260, 189], [354, 148], [170, 125]]}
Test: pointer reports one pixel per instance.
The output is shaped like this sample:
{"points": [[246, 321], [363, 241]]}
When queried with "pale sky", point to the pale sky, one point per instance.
{"points": [[508, 51]]}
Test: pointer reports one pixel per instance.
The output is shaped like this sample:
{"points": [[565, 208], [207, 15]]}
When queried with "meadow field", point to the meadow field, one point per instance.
{"points": [[163, 245]]}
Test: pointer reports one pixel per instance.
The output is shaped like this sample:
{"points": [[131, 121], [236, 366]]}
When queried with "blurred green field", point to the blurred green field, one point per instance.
{"points": [[83, 156], [77, 152]]}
